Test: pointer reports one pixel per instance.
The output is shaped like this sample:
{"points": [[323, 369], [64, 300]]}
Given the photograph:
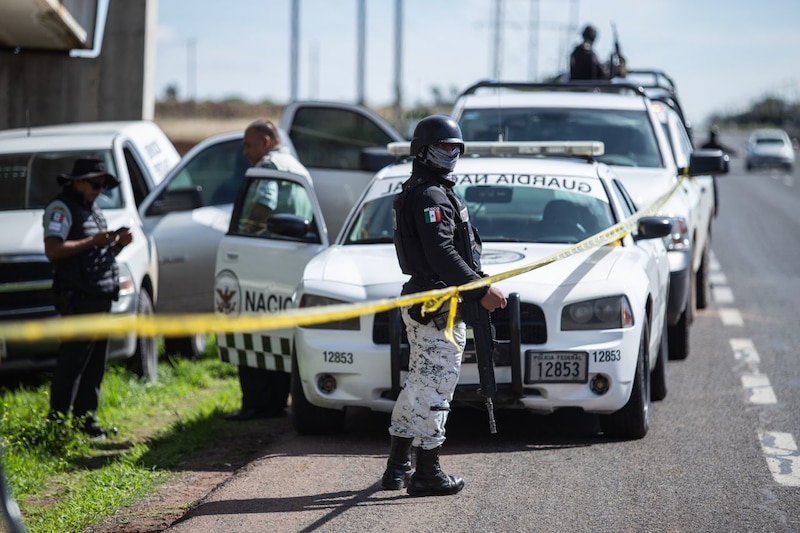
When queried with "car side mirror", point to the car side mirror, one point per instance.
{"points": [[292, 226], [708, 162], [653, 228], [180, 199]]}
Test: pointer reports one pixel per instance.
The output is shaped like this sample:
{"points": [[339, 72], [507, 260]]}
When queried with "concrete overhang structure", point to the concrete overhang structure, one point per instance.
{"points": [[48, 25]]}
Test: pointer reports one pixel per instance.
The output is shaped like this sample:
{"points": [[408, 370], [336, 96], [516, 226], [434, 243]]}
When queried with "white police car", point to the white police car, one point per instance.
{"points": [[586, 331]]}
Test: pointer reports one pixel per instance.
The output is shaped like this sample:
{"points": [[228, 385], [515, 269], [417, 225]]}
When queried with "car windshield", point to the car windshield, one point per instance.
{"points": [[627, 134], [536, 210], [28, 180]]}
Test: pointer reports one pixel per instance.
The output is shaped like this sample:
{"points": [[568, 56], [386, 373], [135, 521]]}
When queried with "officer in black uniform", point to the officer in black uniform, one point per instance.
{"points": [[85, 280], [431, 226], [583, 62]]}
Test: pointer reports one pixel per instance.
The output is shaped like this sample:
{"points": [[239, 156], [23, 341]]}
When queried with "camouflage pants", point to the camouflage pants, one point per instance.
{"points": [[423, 405]]}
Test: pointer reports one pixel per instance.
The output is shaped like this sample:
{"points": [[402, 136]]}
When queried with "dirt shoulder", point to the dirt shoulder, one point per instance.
{"points": [[198, 475]]}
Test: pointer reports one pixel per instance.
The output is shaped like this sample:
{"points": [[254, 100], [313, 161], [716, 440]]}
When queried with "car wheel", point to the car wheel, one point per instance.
{"points": [[189, 347], [308, 419], [633, 420], [678, 337], [658, 377], [144, 362], [701, 282]]}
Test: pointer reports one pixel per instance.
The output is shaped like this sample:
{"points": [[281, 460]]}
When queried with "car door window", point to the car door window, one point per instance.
{"points": [[681, 143], [334, 138], [137, 177], [626, 202], [265, 197], [218, 171]]}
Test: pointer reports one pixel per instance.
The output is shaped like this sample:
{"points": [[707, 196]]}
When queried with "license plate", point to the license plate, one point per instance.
{"points": [[556, 367]]}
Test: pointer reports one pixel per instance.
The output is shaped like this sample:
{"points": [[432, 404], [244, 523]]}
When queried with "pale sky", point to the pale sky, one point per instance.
{"points": [[724, 55]]}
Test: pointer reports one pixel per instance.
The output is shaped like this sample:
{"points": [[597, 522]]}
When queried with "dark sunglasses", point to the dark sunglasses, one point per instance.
{"points": [[97, 184]]}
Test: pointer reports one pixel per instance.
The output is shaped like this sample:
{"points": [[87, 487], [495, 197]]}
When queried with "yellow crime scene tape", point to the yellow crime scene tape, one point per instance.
{"points": [[178, 325]]}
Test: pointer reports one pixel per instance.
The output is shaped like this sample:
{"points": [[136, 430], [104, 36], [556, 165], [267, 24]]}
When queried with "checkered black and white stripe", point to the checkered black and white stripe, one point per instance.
{"points": [[256, 350]]}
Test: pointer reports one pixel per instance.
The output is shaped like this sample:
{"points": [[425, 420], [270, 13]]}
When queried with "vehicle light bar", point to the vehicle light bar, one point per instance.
{"points": [[563, 148]]}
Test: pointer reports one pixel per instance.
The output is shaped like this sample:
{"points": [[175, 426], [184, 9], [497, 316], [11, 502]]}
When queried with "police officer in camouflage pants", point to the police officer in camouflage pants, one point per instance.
{"points": [[427, 214]]}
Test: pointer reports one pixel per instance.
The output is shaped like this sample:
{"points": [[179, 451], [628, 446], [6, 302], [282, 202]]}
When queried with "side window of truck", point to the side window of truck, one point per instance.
{"points": [[334, 138], [218, 171], [138, 181]]}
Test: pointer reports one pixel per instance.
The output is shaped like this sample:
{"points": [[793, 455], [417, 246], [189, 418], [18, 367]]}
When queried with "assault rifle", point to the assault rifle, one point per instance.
{"points": [[617, 66], [480, 321]]}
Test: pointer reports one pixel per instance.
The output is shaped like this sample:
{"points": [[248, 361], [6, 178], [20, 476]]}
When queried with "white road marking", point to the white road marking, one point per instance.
{"points": [[745, 351], [722, 295], [783, 457], [717, 278], [731, 317], [713, 263], [755, 383], [779, 449], [758, 388]]}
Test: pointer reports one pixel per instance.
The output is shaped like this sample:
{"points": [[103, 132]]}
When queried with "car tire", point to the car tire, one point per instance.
{"points": [[633, 420], [701, 282], [308, 419], [658, 377], [144, 362], [192, 347]]}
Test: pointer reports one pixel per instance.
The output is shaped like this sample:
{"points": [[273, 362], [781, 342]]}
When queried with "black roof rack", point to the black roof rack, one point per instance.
{"points": [[660, 79], [570, 86]]}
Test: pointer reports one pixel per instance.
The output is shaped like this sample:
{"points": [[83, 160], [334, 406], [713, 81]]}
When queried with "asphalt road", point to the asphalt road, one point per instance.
{"points": [[721, 456]]}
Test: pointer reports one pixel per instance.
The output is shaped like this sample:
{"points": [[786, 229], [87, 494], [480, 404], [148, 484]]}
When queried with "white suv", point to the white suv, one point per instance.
{"points": [[637, 147], [140, 156]]}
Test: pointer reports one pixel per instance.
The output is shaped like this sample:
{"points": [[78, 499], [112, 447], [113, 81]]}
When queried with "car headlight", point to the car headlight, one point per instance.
{"points": [[313, 300], [126, 285], [601, 313], [678, 239]]}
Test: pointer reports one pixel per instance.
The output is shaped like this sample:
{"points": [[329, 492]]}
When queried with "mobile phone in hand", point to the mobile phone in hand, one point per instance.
{"points": [[120, 230]]}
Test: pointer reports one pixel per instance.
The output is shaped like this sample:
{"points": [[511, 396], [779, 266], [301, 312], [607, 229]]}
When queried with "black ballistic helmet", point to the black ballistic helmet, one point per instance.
{"points": [[589, 33], [436, 129]]}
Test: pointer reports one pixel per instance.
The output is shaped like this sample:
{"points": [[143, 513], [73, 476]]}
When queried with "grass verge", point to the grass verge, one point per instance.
{"points": [[64, 481]]}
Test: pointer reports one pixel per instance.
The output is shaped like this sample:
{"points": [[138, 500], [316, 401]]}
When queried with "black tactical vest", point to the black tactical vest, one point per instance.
{"points": [[93, 273]]}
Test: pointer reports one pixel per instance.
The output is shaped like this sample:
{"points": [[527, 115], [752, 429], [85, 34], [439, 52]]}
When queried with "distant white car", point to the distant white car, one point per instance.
{"points": [[586, 332], [769, 148]]}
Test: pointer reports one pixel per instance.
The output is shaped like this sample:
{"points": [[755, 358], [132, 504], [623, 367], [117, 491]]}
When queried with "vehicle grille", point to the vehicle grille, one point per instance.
{"points": [[380, 329], [25, 287], [533, 327]]}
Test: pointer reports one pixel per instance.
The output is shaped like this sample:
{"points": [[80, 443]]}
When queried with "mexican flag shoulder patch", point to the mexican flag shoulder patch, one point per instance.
{"points": [[432, 215]]}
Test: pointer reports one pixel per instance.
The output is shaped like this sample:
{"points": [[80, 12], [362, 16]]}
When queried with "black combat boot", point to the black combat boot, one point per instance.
{"points": [[398, 467], [429, 480]]}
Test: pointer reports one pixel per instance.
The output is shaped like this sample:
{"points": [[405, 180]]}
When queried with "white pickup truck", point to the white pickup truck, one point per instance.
{"points": [[646, 145], [140, 155]]}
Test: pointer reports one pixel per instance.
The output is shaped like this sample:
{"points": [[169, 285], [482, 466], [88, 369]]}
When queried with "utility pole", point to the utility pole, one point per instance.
{"points": [[294, 47], [497, 40], [398, 62], [191, 69], [533, 42], [360, 50]]}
